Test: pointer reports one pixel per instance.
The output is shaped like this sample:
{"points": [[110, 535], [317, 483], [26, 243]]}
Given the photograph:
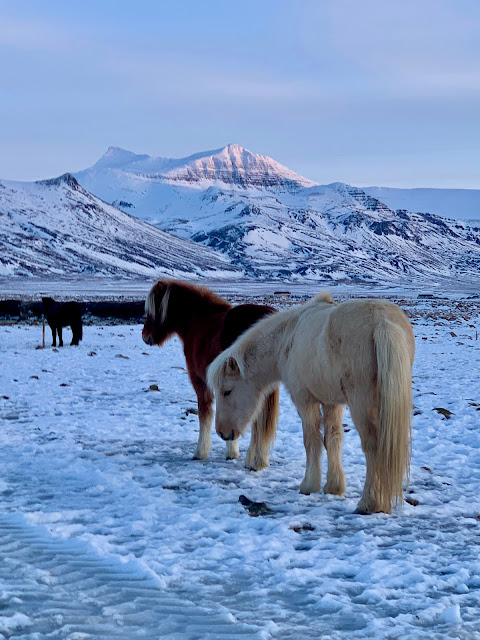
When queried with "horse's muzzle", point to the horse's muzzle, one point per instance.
{"points": [[148, 340]]}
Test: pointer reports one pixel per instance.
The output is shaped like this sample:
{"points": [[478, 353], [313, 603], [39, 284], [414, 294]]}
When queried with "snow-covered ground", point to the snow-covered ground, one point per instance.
{"points": [[108, 529]]}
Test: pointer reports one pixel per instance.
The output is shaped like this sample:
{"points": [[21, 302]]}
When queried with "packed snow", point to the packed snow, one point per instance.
{"points": [[110, 530]]}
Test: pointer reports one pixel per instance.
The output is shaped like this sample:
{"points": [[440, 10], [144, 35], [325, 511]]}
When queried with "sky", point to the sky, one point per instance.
{"points": [[368, 93]]}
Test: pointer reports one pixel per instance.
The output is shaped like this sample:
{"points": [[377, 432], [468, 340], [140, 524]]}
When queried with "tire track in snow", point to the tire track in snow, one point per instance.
{"points": [[70, 592]]}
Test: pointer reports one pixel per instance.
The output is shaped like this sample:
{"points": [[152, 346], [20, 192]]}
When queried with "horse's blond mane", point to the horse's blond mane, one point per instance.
{"points": [[150, 302], [216, 370]]}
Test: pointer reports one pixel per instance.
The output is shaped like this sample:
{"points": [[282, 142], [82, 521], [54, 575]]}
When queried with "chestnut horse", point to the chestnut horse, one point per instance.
{"points": [[358, 353], [207, 324]]}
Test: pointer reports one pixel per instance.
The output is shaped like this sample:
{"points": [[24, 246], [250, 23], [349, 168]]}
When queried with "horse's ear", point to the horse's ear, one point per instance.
{"points": [[231, 367]]}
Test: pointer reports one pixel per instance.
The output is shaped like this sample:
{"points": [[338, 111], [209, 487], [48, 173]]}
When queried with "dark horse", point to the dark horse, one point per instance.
{"points": [[208, 324], [63, 314]]}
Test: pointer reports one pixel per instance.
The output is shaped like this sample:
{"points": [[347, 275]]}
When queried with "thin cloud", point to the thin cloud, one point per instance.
{"points": [[25, 35]]}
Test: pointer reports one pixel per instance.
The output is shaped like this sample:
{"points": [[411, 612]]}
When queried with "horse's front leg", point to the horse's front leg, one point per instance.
{"points": [[332, 422], [60, 339], [54, 335], [205, 401], [312, 439], [250, 462], [263, 432], [233, 449]]}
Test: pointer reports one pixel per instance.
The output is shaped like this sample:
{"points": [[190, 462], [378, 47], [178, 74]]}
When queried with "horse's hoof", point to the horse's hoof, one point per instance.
{"points": [[199, 456], [257, 466], [232, 450], [307, 489], [338, 489]]}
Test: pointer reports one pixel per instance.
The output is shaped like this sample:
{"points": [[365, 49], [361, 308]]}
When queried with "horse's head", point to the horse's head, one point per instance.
{"points": [[158, 324], [237, 397]]}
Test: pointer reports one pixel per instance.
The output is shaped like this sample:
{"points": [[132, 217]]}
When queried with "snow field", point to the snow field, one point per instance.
{"points": [[108, 529]]}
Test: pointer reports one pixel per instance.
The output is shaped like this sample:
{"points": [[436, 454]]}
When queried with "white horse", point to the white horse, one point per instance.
{"points": [[358, 353]]}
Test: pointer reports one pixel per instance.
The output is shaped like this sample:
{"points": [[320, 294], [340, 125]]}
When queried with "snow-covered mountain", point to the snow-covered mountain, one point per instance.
{"points": [[147, 186], [239, 209], [335, 231], [459, 204], [56, 227], [275, 223]]}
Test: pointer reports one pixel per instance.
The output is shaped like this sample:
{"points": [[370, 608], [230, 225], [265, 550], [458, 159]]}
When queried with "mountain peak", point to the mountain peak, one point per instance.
{"points": [[112, 150], [65, 178], [233, 146], [118, 157], [232, 164], [235, 165]]}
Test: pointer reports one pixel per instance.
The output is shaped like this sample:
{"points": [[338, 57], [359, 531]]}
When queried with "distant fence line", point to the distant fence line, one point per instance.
{"points": [[29, 311]]}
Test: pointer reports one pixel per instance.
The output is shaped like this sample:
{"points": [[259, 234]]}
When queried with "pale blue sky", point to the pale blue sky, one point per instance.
{"points": [[376, 92]]}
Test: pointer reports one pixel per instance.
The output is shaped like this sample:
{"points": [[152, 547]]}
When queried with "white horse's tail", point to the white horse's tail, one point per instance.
{"points": [[394, 401]]}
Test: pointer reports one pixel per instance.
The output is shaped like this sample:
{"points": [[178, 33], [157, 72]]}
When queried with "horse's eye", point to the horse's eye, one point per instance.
{"points": [[227, 393]]}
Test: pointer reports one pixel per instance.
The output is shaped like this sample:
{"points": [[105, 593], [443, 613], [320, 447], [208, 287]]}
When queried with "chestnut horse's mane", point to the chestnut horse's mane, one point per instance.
{"points": [[202, 294]]}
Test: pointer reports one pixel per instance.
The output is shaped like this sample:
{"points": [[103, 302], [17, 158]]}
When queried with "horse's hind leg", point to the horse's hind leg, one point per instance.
{"points": [[312, 439], [76, 333], [60, 339], [366, 425], [332, 420], [263, 432]]}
